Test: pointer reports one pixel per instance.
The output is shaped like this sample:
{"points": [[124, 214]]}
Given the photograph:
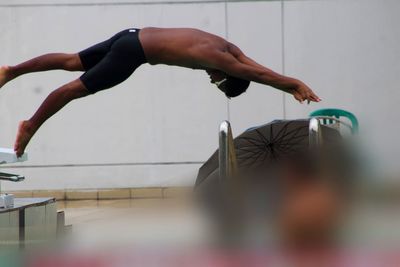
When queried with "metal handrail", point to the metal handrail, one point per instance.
{"points": [[227, 154], [315, 136], [334, 119]]}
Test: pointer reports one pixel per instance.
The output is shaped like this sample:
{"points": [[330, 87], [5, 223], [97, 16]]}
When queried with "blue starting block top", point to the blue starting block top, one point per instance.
{"points": [[7, 155]]}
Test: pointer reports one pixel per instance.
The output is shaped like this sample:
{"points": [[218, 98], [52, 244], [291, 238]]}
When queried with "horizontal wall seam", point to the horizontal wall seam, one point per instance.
{"points": [[72, 165], [130, 3]]}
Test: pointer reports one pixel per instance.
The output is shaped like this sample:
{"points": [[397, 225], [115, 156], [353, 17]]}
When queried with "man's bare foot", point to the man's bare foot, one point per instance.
{"points": [[24, 135], [5, 75]]}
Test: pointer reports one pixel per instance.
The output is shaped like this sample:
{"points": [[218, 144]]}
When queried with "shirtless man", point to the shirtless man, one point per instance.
{"points": [[111, 62]]}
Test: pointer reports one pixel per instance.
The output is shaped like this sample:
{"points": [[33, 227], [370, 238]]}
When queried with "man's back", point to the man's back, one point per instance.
{"points": [[184, 47]]}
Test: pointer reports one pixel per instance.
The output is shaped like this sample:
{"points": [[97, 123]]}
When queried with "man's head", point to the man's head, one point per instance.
{"points": [[230, 85]]}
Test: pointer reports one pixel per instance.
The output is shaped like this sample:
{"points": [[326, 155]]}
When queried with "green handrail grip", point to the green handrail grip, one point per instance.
{"points": [[337, 113]]}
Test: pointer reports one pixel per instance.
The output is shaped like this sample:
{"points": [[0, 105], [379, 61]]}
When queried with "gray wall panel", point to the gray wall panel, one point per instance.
{"points": [[256, 29]]}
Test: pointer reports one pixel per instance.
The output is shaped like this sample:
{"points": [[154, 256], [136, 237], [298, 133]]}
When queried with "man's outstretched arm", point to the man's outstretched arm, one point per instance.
{"points": [[237, 64]]}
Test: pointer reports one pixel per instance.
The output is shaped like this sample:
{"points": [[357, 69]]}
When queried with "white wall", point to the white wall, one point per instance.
{"points": [[346, 50]]}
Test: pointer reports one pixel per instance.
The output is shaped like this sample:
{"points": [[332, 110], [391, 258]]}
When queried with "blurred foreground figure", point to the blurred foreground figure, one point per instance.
{"points": [[312, 204], [285, 193]]}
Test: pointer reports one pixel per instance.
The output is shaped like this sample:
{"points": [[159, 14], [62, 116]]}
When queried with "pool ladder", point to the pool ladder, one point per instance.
{"points": [[227, 155]]}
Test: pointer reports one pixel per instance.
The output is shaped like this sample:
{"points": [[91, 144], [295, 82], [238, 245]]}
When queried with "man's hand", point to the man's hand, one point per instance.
{"points": [[302, 92]]}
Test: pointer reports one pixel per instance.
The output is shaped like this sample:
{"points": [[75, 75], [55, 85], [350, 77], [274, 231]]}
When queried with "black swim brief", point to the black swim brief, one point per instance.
{"points": [[111, 62]]}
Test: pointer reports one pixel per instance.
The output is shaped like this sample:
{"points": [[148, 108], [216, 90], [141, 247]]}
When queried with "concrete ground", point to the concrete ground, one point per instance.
{"points": [[141, 222], [177, 222]]}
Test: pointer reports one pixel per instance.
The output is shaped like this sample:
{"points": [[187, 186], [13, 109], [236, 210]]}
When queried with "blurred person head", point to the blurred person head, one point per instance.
{"points": [[312, 202]]}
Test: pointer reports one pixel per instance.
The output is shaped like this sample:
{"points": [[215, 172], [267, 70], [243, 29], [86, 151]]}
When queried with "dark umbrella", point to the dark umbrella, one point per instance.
{"points": [[261, 147]]}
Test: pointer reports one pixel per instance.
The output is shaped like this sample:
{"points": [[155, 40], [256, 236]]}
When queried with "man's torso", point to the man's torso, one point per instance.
{"points": [[184, 47]]}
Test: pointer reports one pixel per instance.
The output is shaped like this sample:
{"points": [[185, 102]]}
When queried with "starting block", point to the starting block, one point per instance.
{"points": [[8, 156], [25, 221]]}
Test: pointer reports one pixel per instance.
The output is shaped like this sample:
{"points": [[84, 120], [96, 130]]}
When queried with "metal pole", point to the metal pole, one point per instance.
{"points": [[223, 150], [227, 153], [315, 136]]}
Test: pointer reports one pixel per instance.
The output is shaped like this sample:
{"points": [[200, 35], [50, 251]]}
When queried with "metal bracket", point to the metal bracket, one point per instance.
{"points": [[8, 155], [11, 177]]}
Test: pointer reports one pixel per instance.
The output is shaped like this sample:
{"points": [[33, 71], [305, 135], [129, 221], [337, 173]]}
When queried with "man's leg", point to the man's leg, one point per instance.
{"points": [[105, 69], [69, 62], [51, 105]]}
